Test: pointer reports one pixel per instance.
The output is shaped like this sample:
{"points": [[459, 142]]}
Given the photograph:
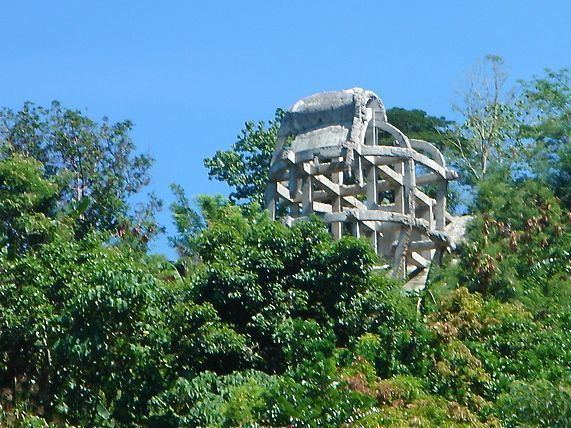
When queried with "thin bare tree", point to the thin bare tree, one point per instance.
{"points": [[484, 135]]}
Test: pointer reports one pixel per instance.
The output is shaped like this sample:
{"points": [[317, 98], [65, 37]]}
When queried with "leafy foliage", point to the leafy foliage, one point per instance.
{"points": [[420, 125], [245, 166], [27, 202], [259, 324], [537, 404], [94, 163], [545, 109], [519, 243]]}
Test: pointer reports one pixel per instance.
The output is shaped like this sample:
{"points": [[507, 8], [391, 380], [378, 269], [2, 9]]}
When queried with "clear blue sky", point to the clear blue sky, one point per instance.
{"points": [[189, 73]]}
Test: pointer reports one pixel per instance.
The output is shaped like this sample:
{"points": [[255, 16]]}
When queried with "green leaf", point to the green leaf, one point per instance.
{"points": [[102, 411]]}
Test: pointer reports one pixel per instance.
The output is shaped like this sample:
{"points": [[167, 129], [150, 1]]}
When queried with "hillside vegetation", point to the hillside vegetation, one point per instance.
{"points": [[260, 324]]}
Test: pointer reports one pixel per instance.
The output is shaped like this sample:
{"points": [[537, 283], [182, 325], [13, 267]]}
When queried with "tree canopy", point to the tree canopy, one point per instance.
{"points": [[262, 324], [94, 163], [244, 167]]}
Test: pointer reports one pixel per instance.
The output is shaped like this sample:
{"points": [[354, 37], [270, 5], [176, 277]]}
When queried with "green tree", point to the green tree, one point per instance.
{"points": [[519, 242], [94, 161], [484, 137], [545, 113], [90, 332], [273, 325], [537, 404], [420, 125], [246, 165], [190, 219], [27, 205]]}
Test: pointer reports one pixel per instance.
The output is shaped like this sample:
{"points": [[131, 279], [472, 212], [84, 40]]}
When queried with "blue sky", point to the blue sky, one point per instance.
{"points": [[189, 73]]}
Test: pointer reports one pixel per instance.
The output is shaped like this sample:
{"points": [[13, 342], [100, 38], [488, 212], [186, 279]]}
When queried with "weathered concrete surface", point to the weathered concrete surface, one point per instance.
{"points": [[417, 283], [328, 119], [456, 232], [456, 229], [330, 161]]}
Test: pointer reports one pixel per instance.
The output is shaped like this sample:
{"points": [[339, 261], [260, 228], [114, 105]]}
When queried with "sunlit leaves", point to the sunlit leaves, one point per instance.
{"points": [[246, 165]]}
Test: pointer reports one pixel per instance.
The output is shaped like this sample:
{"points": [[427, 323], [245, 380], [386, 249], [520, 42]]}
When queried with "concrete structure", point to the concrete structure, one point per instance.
{"points": [[338, 157]]}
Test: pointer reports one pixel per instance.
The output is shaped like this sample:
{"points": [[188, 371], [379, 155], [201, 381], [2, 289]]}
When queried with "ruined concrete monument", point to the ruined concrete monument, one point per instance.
{"points": [[337, 156]]}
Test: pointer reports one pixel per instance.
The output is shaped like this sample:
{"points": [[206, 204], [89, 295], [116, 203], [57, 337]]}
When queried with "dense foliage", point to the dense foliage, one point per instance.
{"points": [[93, 163], [261, 324], [245, 166]]}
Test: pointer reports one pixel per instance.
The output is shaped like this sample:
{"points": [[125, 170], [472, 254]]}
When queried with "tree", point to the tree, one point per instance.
{"points": [[484, 138], [519, 243], [27, 205], [420, 125], [279, 325], [88, 330], [246, 165], [545, 112], [540, 403], [283, 326], [190, 222], [94, 161], [187, 221]]}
